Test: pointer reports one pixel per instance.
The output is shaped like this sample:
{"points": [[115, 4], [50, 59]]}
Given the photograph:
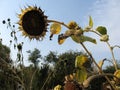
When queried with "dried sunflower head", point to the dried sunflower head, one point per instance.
{"points": [[72, 25], [33, 23]]}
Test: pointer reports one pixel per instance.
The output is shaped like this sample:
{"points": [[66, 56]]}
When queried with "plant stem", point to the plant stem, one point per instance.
{"points": [[62, 23], [100, 70], [114, 61], [87, 82], [50, 75], [46, 80], [32, 79], [91, 57], [14, 72], [111, 50]]}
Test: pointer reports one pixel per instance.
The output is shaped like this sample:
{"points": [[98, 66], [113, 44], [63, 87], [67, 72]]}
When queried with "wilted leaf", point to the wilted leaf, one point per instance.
{"points": [[61, 38], [55, 28], [100, 63], [58, 87], [80, 60], [104, 38], [82, 38], [117, 74], [90, 22], [102, 30], [61, 41], [81, 75]]}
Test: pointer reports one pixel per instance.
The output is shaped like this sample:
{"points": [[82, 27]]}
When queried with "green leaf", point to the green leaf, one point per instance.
{"points": [[102, 30], [55, 28], [90, 22], [82, 38], [81, 75], [80, 60]]}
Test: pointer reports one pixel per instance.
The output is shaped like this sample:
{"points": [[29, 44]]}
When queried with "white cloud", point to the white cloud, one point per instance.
{"points": [[107, 13]]}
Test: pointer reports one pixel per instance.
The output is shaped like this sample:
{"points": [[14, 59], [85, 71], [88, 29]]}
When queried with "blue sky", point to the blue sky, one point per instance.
{"points": [[103, 12]]}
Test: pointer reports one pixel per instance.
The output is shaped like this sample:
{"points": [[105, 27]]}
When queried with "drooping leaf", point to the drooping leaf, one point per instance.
{"points": [[61, 41], [90, 22], [117, 74], [100, 63], [81, 75], [55, 28], [80, 60], [102, 30], [104, 38], [82, 38]]}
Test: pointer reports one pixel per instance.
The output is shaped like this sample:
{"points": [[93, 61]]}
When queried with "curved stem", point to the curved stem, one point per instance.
{"points": [[100, 70], [62, 23], [109, 61], [91, 57], [114, 61], [87, 82], [46, 80], [111, 50], [116, 46], [32, 79]]}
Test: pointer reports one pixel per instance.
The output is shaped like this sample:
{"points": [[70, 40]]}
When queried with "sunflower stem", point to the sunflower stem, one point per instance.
{"points": [[100, 70], [111, 49], [62, 23]]}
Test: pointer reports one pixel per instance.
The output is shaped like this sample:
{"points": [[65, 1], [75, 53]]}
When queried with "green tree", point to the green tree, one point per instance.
{"points": [[34, 56], [5, 53], [111, 68], [64, 64], [7, 80]]}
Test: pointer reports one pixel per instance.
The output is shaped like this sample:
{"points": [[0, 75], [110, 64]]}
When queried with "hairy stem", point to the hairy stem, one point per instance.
{"points": [[62, 23]]}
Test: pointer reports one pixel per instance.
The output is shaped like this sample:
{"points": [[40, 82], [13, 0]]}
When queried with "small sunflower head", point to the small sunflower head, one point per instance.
{"points": [[33, 23]]}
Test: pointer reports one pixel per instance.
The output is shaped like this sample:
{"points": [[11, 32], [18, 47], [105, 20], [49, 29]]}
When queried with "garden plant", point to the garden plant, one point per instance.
{"points": [[33, 23]]}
